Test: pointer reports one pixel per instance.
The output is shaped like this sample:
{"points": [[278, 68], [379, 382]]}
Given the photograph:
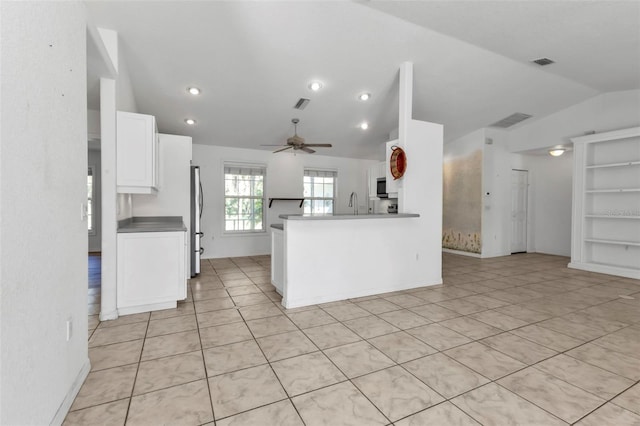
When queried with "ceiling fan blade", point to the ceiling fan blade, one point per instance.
{"points": [[282, 149], [319, 145], [279, 144], [305, 149]]}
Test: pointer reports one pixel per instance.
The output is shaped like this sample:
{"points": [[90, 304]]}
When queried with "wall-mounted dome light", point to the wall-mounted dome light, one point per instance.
{"points": [[193, 90], [364, 96], [364, 125], [556, 152], [190, 121]]}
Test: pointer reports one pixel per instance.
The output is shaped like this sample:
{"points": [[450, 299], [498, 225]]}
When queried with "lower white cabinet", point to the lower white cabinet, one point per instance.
{"points": [[151, 271]]}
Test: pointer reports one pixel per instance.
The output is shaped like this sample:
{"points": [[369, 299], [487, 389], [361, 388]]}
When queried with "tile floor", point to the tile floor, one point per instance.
{"points": [[512, 340]]}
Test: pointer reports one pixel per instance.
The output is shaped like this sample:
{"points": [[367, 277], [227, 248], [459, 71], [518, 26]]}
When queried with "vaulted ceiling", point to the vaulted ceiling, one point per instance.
{"points": [[254, 60]]}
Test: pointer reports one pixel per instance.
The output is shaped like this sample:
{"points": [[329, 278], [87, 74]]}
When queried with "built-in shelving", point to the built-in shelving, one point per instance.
{"points": [[606, 181], [614, 242], [626, 164], [610, 216], [592, 191]]}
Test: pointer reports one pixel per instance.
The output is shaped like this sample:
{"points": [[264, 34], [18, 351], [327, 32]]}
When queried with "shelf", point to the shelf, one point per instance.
{"points": [[611, 216], [613, 242], [625, 164], [614, 190], [271, 200]]}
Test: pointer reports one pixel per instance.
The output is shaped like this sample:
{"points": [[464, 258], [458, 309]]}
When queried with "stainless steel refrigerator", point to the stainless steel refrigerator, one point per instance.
{"points": [[197, 205]]}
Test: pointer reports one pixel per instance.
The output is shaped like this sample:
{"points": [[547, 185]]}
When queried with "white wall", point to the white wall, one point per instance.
{"points": [[116, 93], [43, 241], [550, 178], [608, 111], [173, 197], [284, 180], [550, 189], [496, 194]]}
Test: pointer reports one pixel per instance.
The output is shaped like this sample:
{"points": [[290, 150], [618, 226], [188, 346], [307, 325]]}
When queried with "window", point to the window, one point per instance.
{"points": [[319, 191], [90, 216], [244, 198]]}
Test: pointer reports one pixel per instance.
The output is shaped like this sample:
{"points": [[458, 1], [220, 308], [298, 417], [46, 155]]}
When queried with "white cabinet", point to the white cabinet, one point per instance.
{"points": [[606, 203], [151, 271], [137, 153], [375, 171]]}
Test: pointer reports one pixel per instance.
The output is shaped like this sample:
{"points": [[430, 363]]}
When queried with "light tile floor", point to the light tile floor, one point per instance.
{"points": [[512, 340]]}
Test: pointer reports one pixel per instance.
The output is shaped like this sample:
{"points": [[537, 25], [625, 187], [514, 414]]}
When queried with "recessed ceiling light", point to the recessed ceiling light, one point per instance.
{"points": [[190, 121], [557, 152], [315, 86], [193, 90], [364, 96], [364, 125]]}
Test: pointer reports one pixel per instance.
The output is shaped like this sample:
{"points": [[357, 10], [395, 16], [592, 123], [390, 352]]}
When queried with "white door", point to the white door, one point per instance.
{"points": [[519, 179]]}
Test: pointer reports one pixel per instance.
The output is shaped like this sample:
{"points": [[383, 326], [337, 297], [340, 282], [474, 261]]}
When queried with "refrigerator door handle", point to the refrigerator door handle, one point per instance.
{"points": [[199, 233], [201, 198], [201, 250]]}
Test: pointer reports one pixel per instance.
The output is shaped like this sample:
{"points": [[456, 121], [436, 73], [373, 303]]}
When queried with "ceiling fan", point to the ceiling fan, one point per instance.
{"points": [[297, 143]]}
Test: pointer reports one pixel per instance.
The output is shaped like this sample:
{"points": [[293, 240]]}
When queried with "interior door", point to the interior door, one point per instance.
{"points": [[519, 184]]}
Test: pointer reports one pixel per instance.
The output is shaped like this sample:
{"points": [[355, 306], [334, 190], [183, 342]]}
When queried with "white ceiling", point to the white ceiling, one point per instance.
{"points": [[253, 60]]}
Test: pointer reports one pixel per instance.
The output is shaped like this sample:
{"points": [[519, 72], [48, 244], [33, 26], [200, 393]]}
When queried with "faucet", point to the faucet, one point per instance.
{"points": [[353, 202]]}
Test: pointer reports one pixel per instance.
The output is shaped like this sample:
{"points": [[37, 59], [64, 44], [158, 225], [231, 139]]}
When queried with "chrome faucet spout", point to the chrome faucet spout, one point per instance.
{"points": [[353, 202]]}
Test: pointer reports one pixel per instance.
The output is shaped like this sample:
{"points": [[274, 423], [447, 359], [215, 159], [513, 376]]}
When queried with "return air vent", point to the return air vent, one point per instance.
{"points": [[510, 120], [302, 103], [543, 61]]}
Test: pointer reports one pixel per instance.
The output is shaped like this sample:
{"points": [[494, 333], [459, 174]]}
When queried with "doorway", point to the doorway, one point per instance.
{"points": [[519, 187]]}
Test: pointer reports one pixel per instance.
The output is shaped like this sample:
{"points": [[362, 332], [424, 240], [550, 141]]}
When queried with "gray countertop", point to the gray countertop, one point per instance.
{"points": [[348, 216], [278, 226], [152, 224]]}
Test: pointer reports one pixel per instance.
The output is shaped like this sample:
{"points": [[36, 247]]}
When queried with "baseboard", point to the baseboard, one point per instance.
{"points": [[606, 269], [109, 315], [71, 395], [292, 304], [463, 253], [147, 308]]}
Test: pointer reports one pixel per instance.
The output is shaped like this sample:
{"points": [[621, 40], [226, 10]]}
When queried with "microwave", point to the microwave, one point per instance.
{"points": [[382, 188]]}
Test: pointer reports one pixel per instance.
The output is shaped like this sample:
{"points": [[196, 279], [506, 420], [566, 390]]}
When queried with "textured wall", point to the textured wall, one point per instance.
{"points": [[43, 241], [462, 209]]}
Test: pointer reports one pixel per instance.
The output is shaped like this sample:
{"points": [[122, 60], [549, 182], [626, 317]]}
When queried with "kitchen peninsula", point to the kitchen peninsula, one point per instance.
{"points": [[320, 259], [327, 258]]}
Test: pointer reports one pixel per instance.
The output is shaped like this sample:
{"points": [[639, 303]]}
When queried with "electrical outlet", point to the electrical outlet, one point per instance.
{"points": [[69, 328]]}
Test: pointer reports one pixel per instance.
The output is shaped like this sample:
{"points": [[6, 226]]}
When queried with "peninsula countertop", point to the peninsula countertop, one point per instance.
{"points": [[348, 216], [152, 224]]}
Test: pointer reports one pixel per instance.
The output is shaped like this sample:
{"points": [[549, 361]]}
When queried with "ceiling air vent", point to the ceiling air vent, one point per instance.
{"points": [[302, 103], [510, 120], [543, 61]]}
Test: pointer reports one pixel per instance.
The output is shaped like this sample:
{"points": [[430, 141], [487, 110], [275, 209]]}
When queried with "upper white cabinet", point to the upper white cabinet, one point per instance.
{"points": [[375, 171], [606, 203], [137, 153]]}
